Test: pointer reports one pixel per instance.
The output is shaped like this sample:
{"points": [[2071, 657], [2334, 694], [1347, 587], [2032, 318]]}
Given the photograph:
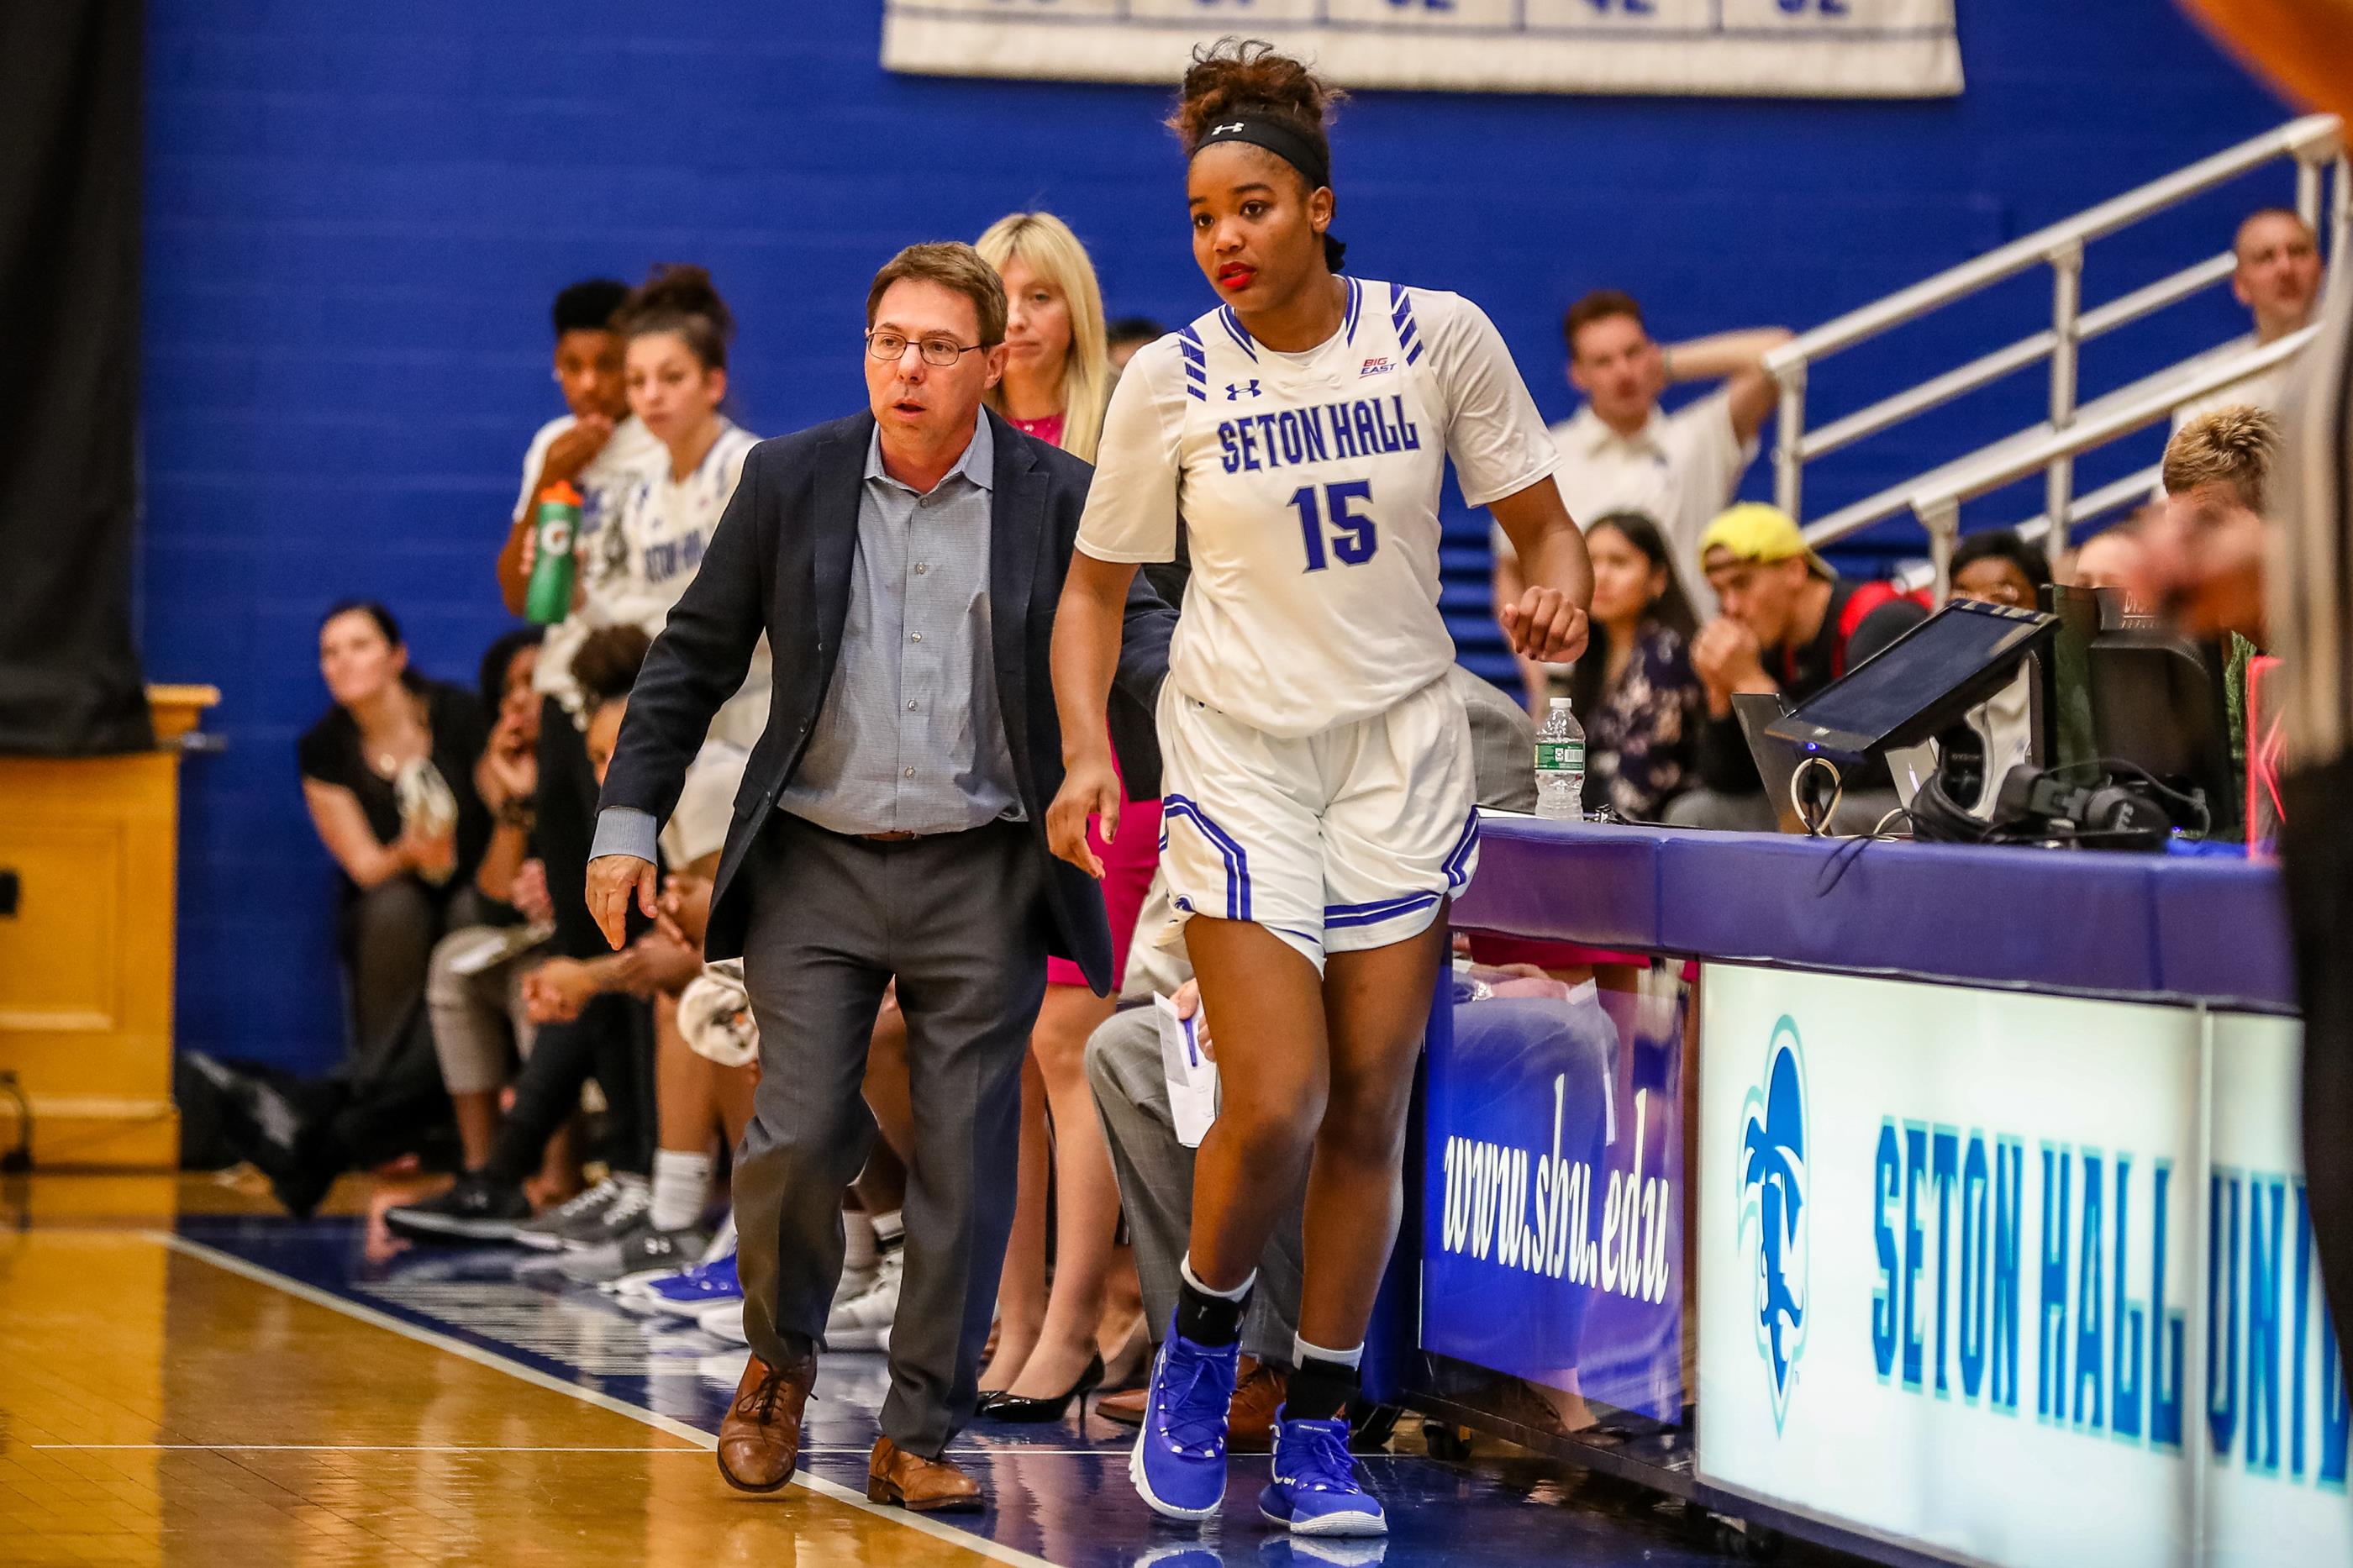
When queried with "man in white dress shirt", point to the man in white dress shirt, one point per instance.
{"points": [[2277, 279], [1622, 453]]}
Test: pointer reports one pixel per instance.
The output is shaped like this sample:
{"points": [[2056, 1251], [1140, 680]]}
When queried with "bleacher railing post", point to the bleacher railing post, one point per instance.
{"points": [[2059, 478], [1943, 523], [1788, 441]]}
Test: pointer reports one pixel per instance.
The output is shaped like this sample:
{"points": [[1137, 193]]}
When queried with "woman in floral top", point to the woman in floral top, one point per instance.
{"points": [[1634, 690]]}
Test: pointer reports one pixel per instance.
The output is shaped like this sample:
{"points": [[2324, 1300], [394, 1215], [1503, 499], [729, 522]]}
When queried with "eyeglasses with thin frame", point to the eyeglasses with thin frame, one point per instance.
{"points": [[887, 346]]}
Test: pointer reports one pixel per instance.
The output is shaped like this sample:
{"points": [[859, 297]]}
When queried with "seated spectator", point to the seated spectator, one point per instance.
{"points": [[1622, 453], [2276, 278], [1126, 335], [695, 1099], [1998, 567], [388, 774], [2216, 489], [473, 990], [2117, 558], [1634, 691], [582, 1031], [1790, 625]]}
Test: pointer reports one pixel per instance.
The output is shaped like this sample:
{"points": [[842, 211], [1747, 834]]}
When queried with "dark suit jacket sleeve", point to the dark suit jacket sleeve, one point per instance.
{"points": [[1147, 624], [701, 657]]}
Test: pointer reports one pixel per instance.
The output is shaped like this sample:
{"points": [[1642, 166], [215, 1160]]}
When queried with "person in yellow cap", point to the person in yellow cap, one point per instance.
{"points": [[1789, 625]]}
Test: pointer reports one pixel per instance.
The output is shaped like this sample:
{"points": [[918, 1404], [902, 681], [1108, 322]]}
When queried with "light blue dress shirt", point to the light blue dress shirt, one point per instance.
{"points": [[910, 738]]}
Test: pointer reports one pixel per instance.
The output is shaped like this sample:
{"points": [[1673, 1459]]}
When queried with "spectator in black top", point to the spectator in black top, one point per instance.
{"points": [[1998, 567], [1633, 688], [1126, 335], [1789, 625], [388, 774]]}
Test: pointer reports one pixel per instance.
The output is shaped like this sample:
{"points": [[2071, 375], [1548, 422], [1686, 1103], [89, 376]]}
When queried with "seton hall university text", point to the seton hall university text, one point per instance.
{"points": [[1357, 429], [1957, 1271]]}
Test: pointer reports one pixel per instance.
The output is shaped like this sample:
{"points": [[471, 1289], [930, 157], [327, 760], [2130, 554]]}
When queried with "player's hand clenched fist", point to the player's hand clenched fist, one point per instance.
{"points": [[611, 880], [1091, 788], [1546, 625]]}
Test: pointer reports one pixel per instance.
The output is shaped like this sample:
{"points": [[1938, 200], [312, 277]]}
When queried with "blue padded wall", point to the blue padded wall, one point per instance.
{"points": [[357, 215]]}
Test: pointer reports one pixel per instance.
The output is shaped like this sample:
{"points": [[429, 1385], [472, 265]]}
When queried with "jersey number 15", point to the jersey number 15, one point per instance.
{"points": [[1353, 538]]}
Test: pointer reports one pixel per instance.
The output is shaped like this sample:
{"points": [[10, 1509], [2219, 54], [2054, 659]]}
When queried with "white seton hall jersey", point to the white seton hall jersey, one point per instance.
{"points": [[663, 526], [1308, 484]]}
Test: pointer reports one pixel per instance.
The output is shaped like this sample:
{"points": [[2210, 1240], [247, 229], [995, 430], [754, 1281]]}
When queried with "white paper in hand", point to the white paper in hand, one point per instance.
{"points": [[1192, 1075]]}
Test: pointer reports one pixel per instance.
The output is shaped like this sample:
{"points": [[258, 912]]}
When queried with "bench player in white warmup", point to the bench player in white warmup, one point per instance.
{"points": [[1318, 793]]}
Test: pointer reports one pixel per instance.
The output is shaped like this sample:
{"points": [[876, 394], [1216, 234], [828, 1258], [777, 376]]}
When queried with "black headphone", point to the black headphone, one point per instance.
{"points": [[2106, 805]]}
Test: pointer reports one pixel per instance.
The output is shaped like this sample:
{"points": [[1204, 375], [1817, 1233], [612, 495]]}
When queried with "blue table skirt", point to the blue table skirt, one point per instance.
{"points": [[2154, 927]]}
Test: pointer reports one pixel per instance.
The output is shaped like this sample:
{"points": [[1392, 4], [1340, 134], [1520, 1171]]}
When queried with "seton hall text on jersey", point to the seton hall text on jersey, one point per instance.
{"points": [[1357, 429]]}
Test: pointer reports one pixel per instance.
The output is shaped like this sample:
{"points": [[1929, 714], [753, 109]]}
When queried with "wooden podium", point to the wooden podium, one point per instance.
{"points": [[87, 958]]}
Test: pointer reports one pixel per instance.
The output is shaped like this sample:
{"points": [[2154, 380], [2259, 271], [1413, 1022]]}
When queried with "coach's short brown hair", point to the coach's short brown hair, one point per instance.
{"points": [[1597, 306], [951, 263], [2234, 445]]}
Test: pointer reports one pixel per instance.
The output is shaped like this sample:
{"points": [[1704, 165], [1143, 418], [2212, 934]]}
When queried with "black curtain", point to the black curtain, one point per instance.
{"points": [[70, 123]]}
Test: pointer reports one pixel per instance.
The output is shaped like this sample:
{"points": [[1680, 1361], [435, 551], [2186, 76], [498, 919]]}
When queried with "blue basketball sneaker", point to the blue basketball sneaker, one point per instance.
{"points": [[1316, 1489], [1179, 1460], [693, 1291]]}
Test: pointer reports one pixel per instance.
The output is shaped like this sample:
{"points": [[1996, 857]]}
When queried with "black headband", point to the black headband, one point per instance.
{"points": [[1291, 147], [1280, 140]]}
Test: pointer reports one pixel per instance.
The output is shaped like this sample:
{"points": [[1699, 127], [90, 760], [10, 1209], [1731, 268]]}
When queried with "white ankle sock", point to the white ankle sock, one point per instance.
{"points": [[682, 1188], [858, 1252], [1301, 1350], [1235, 1294], [890, 1230]]}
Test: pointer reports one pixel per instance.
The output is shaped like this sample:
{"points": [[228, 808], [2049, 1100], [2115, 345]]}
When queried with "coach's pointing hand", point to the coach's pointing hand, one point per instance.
{"points": [[1091, 788], [611, 880]]}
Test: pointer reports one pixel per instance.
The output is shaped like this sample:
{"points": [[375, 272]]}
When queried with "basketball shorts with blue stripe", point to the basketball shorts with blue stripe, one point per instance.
{"points": [[1349, 838]]}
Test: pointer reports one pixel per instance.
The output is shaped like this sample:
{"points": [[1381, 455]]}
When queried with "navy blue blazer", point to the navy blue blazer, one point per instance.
{"points": [[779, 563]]}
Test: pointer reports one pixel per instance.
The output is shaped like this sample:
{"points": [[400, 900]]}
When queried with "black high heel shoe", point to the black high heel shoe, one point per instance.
{"points": [[1015, 1407]]}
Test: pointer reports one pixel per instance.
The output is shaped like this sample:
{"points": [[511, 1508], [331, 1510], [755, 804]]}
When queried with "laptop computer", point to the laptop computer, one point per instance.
{"points": [[1777, 760]]}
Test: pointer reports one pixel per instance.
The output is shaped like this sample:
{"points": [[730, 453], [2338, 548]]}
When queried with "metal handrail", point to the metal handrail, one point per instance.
{"points": [[1938, 507], [2131, 490], [2171, 386], [2312, 141]]}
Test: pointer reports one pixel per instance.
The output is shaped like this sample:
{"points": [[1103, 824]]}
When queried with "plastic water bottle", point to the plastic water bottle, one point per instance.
{"points": [[548, 599], [1560, 765]]}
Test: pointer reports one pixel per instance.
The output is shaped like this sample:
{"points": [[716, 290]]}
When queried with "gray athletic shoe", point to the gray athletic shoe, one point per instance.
{"points": [[583, 1222], [641, 1250]]}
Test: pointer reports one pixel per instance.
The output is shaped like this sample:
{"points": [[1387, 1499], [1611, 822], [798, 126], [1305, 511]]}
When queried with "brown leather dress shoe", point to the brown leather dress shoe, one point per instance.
{"points": [[1258, 1394], [1127, 1408], [917, 1484], [760, 1438]]}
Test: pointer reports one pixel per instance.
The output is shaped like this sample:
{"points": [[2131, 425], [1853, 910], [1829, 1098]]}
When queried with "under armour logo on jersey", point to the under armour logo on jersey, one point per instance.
{"points": [[1236, 391], [1221, 130]]}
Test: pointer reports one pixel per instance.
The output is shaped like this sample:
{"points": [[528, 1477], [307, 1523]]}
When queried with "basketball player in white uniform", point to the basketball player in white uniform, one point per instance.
{"points": [[1318, 808]]}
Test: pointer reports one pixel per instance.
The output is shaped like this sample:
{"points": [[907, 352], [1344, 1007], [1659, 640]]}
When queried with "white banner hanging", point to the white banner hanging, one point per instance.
{"points": [[1778, 49]]}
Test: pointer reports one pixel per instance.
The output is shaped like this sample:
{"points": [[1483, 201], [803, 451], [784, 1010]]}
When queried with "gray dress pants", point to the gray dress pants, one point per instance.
{"points": [[959, 922]]}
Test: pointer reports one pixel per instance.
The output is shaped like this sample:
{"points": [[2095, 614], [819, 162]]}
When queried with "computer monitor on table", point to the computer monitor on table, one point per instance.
{"points": [[2148, 699]]}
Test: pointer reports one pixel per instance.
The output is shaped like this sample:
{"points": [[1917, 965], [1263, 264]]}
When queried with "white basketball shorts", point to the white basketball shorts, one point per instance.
{"points": [[1346, 839]]}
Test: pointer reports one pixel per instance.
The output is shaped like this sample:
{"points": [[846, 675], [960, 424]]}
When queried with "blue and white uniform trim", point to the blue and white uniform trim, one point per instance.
{"points": [[1196, 364], [1375, 912], [1233, 324], [1458, 874], [1401, 317], [1228, 849]]}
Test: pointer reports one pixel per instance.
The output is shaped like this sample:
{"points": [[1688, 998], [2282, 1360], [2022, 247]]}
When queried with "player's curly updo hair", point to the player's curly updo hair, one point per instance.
{"points": [[1251, 76], [679, 297]]}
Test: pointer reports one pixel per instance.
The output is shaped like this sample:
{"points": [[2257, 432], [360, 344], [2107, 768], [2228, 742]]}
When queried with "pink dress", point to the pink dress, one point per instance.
{"points": [[1128, 864]]}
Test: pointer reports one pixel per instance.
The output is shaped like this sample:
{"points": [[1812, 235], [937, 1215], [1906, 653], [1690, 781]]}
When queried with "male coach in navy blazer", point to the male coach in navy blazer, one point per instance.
{"points": [[904, 565]]}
